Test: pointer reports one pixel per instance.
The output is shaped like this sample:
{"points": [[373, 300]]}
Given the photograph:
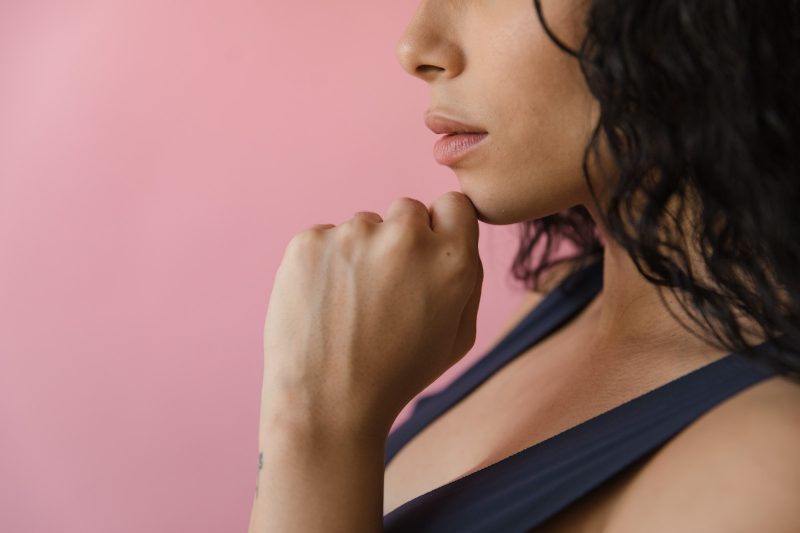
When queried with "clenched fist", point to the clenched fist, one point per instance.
{"points": [[365, 315]]}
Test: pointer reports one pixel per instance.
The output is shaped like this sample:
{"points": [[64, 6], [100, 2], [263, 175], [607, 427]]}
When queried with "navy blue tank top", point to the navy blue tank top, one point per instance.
{"points": [[523, 490]]}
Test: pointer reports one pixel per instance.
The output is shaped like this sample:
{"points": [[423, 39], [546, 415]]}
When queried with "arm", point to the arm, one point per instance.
{"points": [[361, 318], [317, 478]]}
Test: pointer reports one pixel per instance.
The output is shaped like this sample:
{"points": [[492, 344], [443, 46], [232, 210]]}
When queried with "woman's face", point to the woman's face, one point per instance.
{"points": [[489, 63]]}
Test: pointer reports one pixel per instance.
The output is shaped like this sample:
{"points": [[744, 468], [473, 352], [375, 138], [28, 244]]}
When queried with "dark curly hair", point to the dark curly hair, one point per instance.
{"points": [[698, 106]]}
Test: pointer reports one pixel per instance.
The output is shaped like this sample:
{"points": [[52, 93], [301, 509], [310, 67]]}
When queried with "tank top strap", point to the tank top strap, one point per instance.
{"points": [[525, 489]]}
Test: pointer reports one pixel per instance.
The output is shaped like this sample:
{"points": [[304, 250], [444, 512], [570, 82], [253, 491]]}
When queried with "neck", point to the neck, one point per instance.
{"points": [[629, 318]]}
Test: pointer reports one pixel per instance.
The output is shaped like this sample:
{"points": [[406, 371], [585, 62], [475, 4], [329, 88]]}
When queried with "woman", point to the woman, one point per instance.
{"points": [[648, 384]]}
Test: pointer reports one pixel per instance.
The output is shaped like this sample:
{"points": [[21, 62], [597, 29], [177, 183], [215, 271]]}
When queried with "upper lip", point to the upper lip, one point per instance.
{"points": [[439, 124]]}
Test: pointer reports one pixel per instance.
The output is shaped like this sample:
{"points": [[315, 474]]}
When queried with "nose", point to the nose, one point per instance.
{"points": [[428, 48]]}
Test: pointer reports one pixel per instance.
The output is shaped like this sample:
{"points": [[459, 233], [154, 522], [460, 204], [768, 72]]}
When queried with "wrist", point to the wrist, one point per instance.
{"points": [[298, 417], [316, 473]]}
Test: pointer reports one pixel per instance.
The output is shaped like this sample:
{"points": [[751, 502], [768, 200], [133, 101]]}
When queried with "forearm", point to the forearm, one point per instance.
{"points": [[312, 479]]}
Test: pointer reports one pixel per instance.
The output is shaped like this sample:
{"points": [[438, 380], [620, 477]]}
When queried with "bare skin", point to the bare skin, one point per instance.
{"points": [[535, 397], [490, 64], [529, 168]]}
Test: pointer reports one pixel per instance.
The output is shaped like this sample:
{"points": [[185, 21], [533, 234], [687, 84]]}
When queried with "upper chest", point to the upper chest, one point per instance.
{"points": [[547, 389], [677, 464], [521, 404]]}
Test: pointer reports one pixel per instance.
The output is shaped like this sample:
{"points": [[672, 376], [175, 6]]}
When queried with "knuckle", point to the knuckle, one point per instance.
{"points": [[408, 203], [405, 232], [304, 241], [406, 222], [350, 238], [346, 233], [354, 230], [411, 207], [366, 215], [408, 212], [366, 218], [452, 196], [357, 224]]}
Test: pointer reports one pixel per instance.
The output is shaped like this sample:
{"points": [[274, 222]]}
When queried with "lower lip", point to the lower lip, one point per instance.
{"points": [[451, 148]]}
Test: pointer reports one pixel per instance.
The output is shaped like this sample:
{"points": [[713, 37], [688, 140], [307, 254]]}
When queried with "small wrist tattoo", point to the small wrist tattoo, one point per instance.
{"points": [[260, 466]]}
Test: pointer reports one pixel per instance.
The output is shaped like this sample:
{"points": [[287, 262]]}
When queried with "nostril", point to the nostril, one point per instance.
{"points": [[427, 68]]}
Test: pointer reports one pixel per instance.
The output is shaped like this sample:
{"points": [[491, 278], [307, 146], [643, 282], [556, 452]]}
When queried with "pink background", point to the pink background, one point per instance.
{"points": [[155, 159]]}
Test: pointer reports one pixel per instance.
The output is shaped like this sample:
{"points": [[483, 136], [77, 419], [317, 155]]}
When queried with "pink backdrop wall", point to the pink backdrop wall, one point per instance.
{"points": [[155, 159]]}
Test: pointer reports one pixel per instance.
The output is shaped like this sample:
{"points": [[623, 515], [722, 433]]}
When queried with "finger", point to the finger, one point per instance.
{"points": [[454, 215], [321, 226], [369, 215], [408, 207], [467, 329]]}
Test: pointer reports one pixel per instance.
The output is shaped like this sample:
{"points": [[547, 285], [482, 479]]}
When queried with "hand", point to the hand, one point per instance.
{"points": [[365, 315]]}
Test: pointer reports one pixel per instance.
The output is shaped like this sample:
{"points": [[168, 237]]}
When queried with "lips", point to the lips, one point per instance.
{"points": [[454, 147], [460, 138], [439, 124]]}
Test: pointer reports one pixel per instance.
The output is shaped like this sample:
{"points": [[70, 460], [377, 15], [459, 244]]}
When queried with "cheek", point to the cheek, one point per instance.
{"points": [[542, 102], [540, 114], [546, 129], [534, 167]]}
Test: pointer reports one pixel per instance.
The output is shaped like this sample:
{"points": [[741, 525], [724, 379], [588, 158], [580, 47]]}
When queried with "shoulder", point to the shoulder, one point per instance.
{"points": [[736, 468]]}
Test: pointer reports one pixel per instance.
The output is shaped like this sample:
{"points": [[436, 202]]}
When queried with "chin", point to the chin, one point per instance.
{"points": [[502, 205], [499, 218], [490, 207], [499, 210], [493, 211]]}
